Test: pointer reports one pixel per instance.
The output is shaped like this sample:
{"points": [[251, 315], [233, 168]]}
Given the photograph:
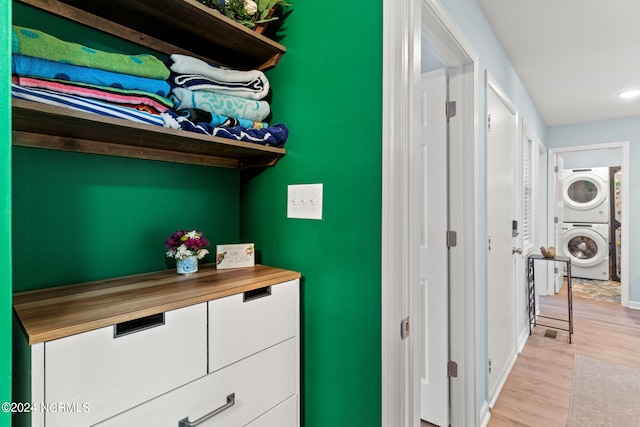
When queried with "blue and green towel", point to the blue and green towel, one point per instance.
{"points": [[35, 43]]}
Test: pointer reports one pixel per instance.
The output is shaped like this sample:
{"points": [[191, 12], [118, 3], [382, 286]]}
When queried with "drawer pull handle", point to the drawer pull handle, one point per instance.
{"points": [[231, 400], [137, 325], [257, 293]]}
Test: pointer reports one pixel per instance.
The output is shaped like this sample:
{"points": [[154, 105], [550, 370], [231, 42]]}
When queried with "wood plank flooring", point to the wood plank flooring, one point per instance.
{"points": [[537, 392]]}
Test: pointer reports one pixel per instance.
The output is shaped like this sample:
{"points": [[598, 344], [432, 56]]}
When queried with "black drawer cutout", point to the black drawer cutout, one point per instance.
{"points": [[257, 293], [137, 325]]}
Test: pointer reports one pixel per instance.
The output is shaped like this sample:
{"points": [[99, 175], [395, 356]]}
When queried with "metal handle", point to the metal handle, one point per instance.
{"points": [[515, 250], [231, 400]]}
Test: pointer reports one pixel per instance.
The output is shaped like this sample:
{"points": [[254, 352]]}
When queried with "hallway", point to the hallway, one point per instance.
{"points": [[537, 392]]}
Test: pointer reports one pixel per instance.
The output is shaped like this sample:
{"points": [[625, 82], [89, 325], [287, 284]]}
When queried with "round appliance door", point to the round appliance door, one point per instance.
{"points": [[584, 246], [583, 191]]}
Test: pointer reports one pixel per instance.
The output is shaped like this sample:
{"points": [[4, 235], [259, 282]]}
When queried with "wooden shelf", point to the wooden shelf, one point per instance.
{"points": [[57, 128], [167, 26], [57, 312], [173, 26]]}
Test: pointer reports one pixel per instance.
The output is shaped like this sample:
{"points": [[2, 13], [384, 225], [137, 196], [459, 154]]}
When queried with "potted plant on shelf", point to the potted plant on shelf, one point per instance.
{"points": [[187, 247], [254, 14]]}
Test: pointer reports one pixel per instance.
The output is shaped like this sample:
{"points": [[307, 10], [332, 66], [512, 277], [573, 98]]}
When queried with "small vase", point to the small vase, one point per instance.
{"points": [[187, 265]]}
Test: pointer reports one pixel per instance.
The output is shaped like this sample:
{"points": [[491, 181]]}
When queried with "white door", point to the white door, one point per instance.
{"points": [[501, 140], [558, 219], [434, 289]]}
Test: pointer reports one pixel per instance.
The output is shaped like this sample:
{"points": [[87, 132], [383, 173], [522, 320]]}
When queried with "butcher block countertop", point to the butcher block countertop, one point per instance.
{"points": [[52, 313]]}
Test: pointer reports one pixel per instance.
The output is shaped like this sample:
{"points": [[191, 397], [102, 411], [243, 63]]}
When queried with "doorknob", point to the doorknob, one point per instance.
{"points": [[515, 250]]}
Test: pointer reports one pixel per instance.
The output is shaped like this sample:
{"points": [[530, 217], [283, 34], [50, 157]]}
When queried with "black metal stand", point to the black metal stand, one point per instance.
{"points": [[533, 319]]}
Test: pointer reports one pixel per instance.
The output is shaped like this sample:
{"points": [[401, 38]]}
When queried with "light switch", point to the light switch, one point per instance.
{"points": [[304, 201]]}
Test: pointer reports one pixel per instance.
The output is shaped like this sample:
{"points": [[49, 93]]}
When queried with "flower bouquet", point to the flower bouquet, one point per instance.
{"points": [[187, 247]]}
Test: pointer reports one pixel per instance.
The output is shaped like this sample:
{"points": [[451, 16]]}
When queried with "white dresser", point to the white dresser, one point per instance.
{"points": [[216, 348]]}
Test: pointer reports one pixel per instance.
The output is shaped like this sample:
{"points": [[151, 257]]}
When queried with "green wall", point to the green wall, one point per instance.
{"points": [[5, 213], [328, 90], [80, 217]]}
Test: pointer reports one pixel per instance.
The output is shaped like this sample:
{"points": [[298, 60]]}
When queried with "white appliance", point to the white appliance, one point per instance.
{"points": [[586, 195], [588, 247]]}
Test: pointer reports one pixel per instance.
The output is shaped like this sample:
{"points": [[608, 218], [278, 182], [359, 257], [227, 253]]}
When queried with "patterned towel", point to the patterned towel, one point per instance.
{"points": [[275, 136], [195, 74], [224, 105], [29, 42], [195, 115], [45, 69], [82, 104]]}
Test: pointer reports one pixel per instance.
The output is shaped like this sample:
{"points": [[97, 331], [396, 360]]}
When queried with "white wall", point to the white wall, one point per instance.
{"points": [[592, 158], [612, 131]]}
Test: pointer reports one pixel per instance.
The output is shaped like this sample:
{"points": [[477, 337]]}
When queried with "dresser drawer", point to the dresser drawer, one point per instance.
{"points": [[106, 375], [283, 415], [258, 383], [243, 324]]}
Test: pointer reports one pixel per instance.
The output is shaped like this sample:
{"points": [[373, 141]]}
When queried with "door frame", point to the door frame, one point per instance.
{"points": [[624, 268], [403, 24]]}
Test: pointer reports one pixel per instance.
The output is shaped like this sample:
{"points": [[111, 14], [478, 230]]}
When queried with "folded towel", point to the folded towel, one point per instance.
{"points": [[43, 68], [30, 42], [224, 105], [195, 115], [82, 104], [275, 136], [112, 95], [195, 74]]}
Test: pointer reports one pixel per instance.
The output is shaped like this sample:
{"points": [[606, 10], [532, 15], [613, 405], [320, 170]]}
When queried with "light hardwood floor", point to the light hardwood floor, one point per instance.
{"points": [[537, 392]]}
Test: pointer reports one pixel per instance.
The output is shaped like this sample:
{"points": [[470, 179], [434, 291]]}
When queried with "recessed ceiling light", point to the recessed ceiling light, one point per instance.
{"points": [[627, 94]]}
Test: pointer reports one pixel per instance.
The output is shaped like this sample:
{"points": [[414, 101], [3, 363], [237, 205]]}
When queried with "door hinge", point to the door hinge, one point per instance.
{"points": [[404, 328], [555, 169], [450, 109], [452, 239], [452, 369], [488, 122], [555, 219]]}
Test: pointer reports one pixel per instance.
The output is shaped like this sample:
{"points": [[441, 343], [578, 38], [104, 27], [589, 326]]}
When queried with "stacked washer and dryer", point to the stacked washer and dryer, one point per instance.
{"points": [[586, 212]]}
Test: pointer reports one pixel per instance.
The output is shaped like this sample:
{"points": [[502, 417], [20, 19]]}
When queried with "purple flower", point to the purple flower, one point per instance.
{"points": [[184, 243]]}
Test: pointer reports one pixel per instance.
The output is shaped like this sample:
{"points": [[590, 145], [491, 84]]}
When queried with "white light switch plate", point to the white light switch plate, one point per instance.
{"points": [[304, 201]]}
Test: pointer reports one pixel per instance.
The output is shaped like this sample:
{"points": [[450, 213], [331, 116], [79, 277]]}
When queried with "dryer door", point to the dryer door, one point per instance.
{"points": [[584, 190], [584, 246]]}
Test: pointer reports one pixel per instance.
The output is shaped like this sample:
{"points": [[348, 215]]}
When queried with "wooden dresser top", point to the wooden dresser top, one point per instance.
{"points": [[52, 313]]}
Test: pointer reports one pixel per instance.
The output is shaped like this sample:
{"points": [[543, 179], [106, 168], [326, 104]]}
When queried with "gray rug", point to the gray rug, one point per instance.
{"points": [[604, 394]]}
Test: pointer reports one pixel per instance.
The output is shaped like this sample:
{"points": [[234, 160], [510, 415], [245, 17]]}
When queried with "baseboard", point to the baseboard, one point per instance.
{"points": [[485, 414], [634, 305], [502, 379], [524, 336]]}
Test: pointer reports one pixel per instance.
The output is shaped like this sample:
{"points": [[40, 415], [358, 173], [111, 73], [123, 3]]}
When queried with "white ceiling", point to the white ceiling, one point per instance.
{"points": [[573, 56]]}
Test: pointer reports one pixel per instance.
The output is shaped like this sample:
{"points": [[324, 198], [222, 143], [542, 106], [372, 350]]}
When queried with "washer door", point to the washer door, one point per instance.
{"points": [[583, 191], [584, 246]]}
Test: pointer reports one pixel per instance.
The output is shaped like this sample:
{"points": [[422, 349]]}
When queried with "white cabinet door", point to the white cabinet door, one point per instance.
{"points": [[259, 383], [243, 324], [97, 375]]}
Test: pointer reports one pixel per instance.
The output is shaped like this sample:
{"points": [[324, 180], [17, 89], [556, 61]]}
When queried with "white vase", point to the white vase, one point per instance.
{"points": [[187, 265]]}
